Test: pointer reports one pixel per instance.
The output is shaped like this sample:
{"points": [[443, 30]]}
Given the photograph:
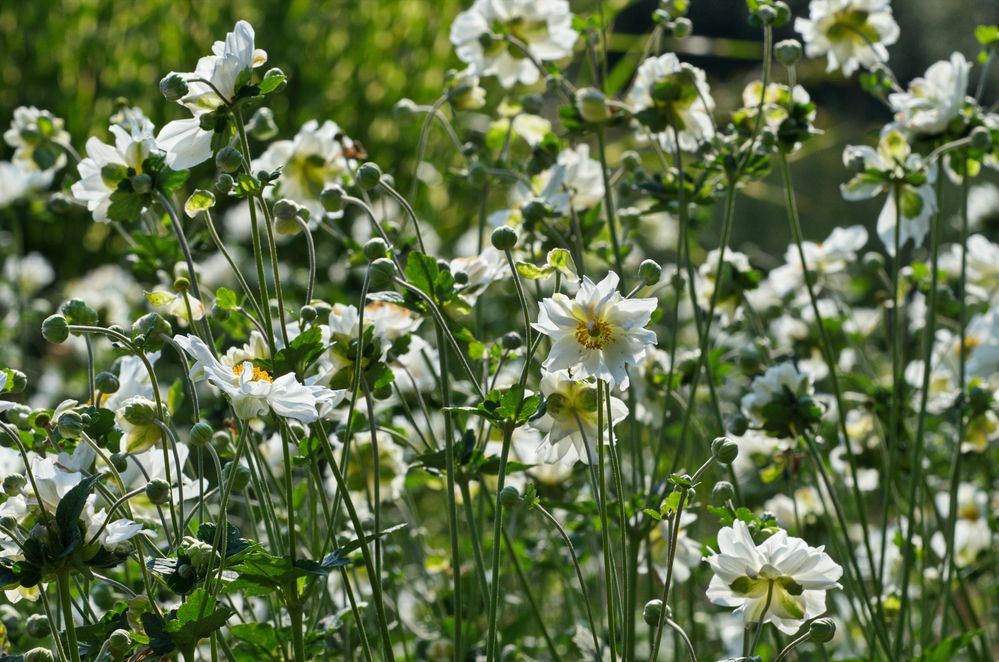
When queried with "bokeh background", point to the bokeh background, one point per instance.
{"points": [[350, 61]]}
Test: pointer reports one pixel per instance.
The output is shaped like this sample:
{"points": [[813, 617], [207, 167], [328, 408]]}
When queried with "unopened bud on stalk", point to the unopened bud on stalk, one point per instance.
{"points": [[822, 630], [504, 238], [509, 496], [650, 272], [332, 199], [788, 52], [375, 248], [158, 491], [722, 491], [173, 86], [369, 175]]}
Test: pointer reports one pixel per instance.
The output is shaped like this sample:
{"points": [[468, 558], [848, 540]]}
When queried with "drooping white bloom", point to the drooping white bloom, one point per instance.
{"points": [[228, 68], [391, 321], [570, 419], [688, 105], [253, 391], [598, 333], [106, 165], [823, 259], [893, 158], [850, 33], [544, 27], [315, 158], [116, 535], [30, 127], [934, 99], [794, 575], [17, 181]]}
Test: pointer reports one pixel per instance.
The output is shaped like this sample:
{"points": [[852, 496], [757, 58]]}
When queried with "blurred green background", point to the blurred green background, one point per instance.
{"points": [[350, 61]]}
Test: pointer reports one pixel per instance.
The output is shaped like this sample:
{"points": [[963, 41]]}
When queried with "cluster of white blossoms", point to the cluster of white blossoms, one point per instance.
{"points": [[849, 33]]}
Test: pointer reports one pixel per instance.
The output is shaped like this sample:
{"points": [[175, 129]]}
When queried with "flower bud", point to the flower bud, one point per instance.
{"points": [[103, 596], [682, 27], [332, 199], [37, 626], [120, 462], [237, 475], [201, 433], [404, 109], [460, 277], [158, 491], [224, 182], [139, 411], [369, 175], [650, 272], [652, 612], [119, 643], [783, 14], [8, 522], [873, 261], [173, 86], [13, 484], [142, 184], [382, 273], [511, 340], [822, 630], [262, 126], [534, 211], [722, 491], [107, 382], [228, 159], [981, 138], [724, 450], [220, 440], [38, 655], [766, 14], [788, 52], [70, 425], [77, 311], [375, 248], [509, 496], [504, 238], [592, 105], [738, 425]]}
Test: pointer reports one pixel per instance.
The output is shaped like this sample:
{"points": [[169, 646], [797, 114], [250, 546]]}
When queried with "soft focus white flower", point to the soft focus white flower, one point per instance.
{"points": [[178, 305], [934, 99], [29, 127], [361, 476], [17, 181], [850, 33], [598, 333], [544, 27], [971, 526], [29, 273], [116, 535], [139, 434], [983, 206], [777, 384], [97, 177], [794, 575], [824, 259], [735, 269], [688, 551], [570, 419], [315, 158], [253, 391], [226, 70], [482, 270], [689, 104]]}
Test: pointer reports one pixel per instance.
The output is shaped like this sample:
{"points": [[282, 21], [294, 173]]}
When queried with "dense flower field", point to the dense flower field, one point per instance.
{"points": [[299, 419]]}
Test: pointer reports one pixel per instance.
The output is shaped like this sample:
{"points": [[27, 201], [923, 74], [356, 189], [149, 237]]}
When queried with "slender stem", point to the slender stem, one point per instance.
{"points": [[609, 207], [66, 603]]}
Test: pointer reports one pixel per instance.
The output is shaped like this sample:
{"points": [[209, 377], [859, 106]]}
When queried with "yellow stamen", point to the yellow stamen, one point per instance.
{"points": [[595, 334], [258, 374]]}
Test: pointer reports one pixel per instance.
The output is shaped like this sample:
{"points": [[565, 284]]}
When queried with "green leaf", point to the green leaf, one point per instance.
{"points": [[421, 272], [175, 397], [169, 180], [987, 35], [68, 513], [159, 297], [125, 206], [533, 272], [196, 619], [271, 83], [201, 200], [226, 299], [338, 557], [561, 259]]}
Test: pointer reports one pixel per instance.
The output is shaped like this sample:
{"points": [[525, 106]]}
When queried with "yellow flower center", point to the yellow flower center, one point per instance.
{"points": [[595, 334], [258, 374]]}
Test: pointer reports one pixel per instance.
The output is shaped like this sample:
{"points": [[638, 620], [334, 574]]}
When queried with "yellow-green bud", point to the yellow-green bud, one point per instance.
{"points": [[592, 105], [369, 175], [158, 491], [228, 159]]}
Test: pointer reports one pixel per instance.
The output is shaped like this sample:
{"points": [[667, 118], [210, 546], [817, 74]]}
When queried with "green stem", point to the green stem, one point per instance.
{"points": [[66, 603], [609, 207]]}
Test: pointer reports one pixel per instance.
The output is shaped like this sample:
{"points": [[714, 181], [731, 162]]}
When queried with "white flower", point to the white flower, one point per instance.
{"points": [[823, 259], [253, 391], [140, 432], [482, 270], [570, 419], [115, 536], [29, 273], [18, 180], [737, 277], [416, 369], [779, 383], [971, 526], [177, 305], [983, 206], [226, 70], [106, 165], [30, 127], [850, 33], [598, 333], [795, 575], [315, 158], [688, 551], [544, 27], [361, 477], [689, 106], [52, 479], [391, 321], [933, 100]]}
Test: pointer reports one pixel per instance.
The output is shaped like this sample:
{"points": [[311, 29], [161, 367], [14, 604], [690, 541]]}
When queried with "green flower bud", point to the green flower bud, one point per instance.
{"points": [[39, 655], [8, 522], [375, 248], [369, 175], [509, 496], [181, 284], [158, 491], [534, 211], [460, 277], [275, 72], [201, 433], [724, 450], [285, 209], [404, 109], [822, 630], [228, 159], [504, 238], [873, 261], [103, 596], [652, 612], [20, 416], [37, 626], [220, 440], [723, 491], [332, 199], [631, 160], [532, 103], [119, 643], [224, 183], [139, 412], [77, 311], [13, 484], [650, 272], [738, 425], [477, 174], [308, 313], [262, 126], [511, 340], [237, 474], [173, 86], [147, 329], [120, 462], [107, 382], [592, 105], [70, 425], [682, 27], [382, 273], [142, 184], [766, 14], [783, 14], [981, 138], [788, 52]]}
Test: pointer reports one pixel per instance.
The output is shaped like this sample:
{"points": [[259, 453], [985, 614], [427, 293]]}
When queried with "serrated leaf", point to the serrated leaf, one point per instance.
{"points": [[561, 259], [226, 299], [534, 272]]}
